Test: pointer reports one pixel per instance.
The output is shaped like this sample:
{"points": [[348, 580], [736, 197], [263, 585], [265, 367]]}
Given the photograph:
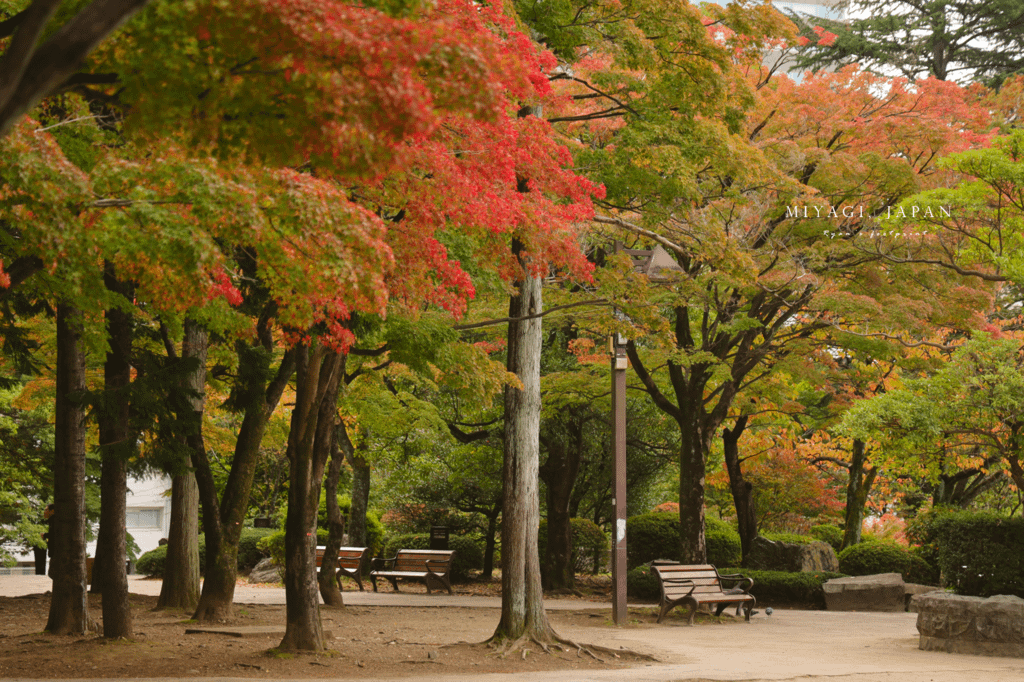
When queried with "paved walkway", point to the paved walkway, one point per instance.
{"points": [[789, 645]]}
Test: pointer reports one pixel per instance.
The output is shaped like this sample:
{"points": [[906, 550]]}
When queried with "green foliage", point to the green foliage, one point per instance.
{"points": [[791, 538], [785, 587], [979, 554], [469, 552], [723, 541], [869, 558], [588, 541], [249, 551], [641, 583], [656, 536], [833, 535], [652, 536], [152, 562]]}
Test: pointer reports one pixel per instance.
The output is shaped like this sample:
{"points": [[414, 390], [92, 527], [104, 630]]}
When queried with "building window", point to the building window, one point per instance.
{"points": [[143, 518]]}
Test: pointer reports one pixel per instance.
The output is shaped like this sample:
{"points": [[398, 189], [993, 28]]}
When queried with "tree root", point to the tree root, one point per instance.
{"points": [[547, 644]]}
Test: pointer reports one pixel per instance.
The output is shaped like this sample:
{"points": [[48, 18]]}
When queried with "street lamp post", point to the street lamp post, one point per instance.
{"points": [[619, 364]]}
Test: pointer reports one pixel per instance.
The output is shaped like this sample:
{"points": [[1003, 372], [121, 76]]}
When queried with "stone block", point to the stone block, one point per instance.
{"points": [[971, 625], [766, 555], [881, 592], [911, 590]]}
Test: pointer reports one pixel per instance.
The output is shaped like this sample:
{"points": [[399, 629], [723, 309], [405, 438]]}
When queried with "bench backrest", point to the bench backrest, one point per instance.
{"points": [[416, 560], [704, 576], [348, 557]]}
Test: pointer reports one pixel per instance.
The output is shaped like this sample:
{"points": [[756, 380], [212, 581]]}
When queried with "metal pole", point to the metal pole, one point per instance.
{"points": [[619, 364]]}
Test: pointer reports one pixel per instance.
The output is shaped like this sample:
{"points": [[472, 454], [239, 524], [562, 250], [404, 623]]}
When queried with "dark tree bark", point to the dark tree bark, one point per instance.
{"points": [[318, 374], [330, 588], [861, 478], [360, 497], [742, 490], [559, 475], [489, 541], [522, 597], [69, 611], [30, 70], [116, 443], [180, 588], [222, 520]]}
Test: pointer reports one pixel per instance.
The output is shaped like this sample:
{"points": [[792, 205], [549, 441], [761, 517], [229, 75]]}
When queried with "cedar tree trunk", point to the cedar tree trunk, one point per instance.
{"points": [[69, 612], [180, 588], [116, 445], [222, 521], [330, 588], [318, 372], [489, 542], [522, 596], [742, 490]]}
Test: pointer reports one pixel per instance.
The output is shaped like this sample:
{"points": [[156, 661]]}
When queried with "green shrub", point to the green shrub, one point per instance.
{"points": [[656, 536], [249, 552], [469, 552], [641, 583], [588, 541], [152, 562], [723, 541], [791, 538], [833, 535], [785, 587], [979, 554], [652, 536], [868, 558]]}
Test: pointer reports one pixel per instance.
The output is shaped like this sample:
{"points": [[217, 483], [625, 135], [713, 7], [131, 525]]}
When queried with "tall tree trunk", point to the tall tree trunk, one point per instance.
{"points": [[857, 489], [489, 541], [522, 596], [312, 428], [559, 475], [693, 545], [116, 445], [180, 588], [742, 490], [69, 611], [222, 521], [330, 588], [360, 497]]}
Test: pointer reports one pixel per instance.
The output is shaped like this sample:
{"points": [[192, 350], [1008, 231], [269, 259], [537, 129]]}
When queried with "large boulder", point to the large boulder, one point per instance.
{"points": [[266, 571], [881, 592], [971, 625], [766, 555]]}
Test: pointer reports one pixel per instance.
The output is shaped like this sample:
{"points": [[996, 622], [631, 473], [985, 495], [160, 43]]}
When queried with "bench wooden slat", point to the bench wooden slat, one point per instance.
{"points": [[350, 562], [428, 565], [701, 584]]}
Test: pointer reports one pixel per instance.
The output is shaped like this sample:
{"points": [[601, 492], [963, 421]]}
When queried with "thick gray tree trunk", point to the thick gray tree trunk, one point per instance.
{"points": [[69, 611], [180, 588], [330, 589], [522, 596], [317, 376], [861, 479], [116, 444]]}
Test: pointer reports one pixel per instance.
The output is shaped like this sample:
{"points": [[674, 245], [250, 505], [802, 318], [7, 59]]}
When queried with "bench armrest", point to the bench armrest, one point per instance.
{"points": [[444, 565], [738, 578]]}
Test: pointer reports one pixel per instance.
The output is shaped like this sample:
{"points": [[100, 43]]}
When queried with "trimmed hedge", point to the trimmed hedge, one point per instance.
{"points": [[833, 535], [979, 554], [869, 558], [250, 553], [588, 541], [642, 584], [791, 538], [469, 553], [784, 587], [656, 536]]}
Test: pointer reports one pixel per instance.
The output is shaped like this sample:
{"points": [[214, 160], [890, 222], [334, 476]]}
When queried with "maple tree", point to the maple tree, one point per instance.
{"points": [[758, 275]]}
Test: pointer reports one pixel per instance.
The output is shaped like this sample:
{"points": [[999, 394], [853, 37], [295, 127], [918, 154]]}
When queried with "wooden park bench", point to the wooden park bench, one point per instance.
{"points": [[702, 584], [428, 565], [351, 561]]}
